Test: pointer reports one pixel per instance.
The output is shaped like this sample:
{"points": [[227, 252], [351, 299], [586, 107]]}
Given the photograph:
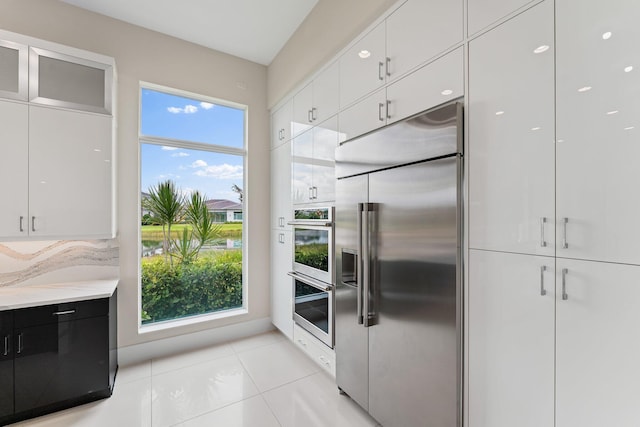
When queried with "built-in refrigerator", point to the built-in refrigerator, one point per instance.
{"points": [[398, 299]]}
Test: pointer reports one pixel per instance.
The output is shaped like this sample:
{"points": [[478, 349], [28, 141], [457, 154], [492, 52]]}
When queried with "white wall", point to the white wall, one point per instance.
{"points": [[143, 55]]}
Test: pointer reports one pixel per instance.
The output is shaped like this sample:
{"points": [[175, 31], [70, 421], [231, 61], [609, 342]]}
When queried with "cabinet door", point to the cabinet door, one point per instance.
{"points": [[14, 169], [326, 93], [362, 67], [14, 64], [511, 340], [6, 363], [438, 21], [511, 135], [61, 361], [325, 141], [281, 287], [482, 13], [302, 105], [70, 173], [281, 185], [302, 168], [598, 344], [433, 84], [281, 124], [598, 128], [365, 116]]}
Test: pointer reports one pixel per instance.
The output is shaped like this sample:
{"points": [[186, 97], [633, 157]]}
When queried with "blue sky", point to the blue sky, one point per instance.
{"points": [[171, 116]]}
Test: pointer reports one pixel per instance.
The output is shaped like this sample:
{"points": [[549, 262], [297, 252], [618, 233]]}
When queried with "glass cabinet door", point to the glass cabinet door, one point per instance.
{"points": [[14, 63]]}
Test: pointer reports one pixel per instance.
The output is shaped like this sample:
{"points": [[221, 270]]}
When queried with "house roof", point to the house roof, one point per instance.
{"points": [[223, 205]]}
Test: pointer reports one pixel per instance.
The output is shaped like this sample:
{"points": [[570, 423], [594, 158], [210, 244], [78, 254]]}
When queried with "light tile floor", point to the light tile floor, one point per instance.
{"points": [[261, 381]]}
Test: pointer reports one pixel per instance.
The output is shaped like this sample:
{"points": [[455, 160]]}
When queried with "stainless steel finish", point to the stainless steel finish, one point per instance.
{"points": [[33, 223], [21, 224], [565, 244], [6, 345], [565, 296], [311, 281], [543, 291], [543, 221], [380, 75], [359, 267], [14, 56], [62, 313], [403, 183], [380, 107], [388, 67], [311, 223], [20, 344]]}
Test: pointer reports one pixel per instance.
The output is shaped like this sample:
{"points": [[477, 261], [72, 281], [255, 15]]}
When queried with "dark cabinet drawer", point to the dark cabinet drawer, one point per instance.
{"points": [[6, 363], [27, 317]]}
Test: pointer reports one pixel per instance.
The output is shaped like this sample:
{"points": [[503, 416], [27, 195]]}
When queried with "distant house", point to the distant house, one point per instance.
{"points": [[143, 211], [225, 210]]}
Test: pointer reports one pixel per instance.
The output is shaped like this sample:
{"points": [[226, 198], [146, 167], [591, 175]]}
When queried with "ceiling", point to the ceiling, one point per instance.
{"points": [[251, 29]]}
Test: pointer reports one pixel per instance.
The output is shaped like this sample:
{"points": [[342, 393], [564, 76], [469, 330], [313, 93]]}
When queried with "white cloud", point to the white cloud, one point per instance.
{"points": [[206, 105], [199, 164], [188, 109], [165, 148], [180, 154], [223, 171]]}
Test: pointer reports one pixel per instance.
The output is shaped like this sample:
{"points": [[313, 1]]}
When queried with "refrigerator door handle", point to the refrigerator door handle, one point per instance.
{"points": [[367, 208], [359, 264]]}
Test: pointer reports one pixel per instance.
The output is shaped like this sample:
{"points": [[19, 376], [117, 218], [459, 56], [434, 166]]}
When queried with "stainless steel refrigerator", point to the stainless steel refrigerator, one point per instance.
{"points": [[398, 299]]}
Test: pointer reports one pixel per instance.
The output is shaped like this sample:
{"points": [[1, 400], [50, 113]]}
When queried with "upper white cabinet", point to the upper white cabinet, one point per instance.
{"points": [[313, 169], [482, 13], [420, 30], [282, 124], [598, 129], [363, 66], [511, 135], [317, 101], [14, 169], [512, 300], [14, 70], [366, 115]]}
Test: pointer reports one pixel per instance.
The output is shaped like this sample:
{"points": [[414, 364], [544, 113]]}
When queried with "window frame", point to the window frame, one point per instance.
{"points": [[192, 145]]}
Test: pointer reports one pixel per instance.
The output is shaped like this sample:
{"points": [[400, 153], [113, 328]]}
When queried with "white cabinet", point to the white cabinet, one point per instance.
{"points": [[365, 116], [70, 174], [281, 285], [315, 349], [14, 169], [282, 124], [362, 67], [598, 128], [313, 164], [281, 186], [511, 135], [14, 65], [317, 101], [420, 30], [511, 345], [598, 344], [482, 13]]}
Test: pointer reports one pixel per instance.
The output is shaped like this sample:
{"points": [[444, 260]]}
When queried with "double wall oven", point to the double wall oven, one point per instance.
{"points": [[313, 271]]}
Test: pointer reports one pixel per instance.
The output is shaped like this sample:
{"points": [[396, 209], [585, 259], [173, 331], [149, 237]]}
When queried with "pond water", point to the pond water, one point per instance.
{"points": [[154, 247]]}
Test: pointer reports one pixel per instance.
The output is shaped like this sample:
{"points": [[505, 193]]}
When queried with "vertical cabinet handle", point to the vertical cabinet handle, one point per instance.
{"points": [[33, 223], [22, 224], [310, 193], [388, 109], [543, 291], [565, 244], [309, 116], [388, 66], [380, 75], [315, 193], [565, 296], [380, 107], [6, 345], [281, 238], [543, 242], [314, 115], [20, 343]]}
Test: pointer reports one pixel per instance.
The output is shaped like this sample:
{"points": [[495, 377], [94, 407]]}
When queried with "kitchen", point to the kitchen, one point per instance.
{"points": [[511, 93]]}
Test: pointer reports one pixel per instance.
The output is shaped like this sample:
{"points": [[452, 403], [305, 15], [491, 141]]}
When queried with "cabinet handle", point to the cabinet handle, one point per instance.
{"points": [[20, 343], [22, 224], [380, 75], [314, 115], [565, 245], [6, 345], [309, 116], [543, 291], [380, 107], [33, 223], [62, 313], [543, 243], [315, 193], [388, 66], [324, 361], [565, 296], [302, 343], [310, 193], [280, 221], [388, 109], [281, 238]]}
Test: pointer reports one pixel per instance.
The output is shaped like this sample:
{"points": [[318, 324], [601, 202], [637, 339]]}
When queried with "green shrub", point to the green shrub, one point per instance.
{"points": [[313, 255], [212, 282]]}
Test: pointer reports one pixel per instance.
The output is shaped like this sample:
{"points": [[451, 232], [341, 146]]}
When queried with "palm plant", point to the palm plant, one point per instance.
{"points": [[197, 214], [166, 205]]}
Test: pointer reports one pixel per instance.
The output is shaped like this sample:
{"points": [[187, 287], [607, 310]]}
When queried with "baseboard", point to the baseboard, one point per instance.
{"points": [[149, 350]]}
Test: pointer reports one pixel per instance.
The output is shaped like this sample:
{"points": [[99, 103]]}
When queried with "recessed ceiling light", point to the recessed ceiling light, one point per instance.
{"points": [[97, 150], [499, 113], [610, 113], [584, 89], [606, 36], [629, 128], [536, 128], [364, 54], [628, 69], [541, 49], [561, 140], [447, 92]]}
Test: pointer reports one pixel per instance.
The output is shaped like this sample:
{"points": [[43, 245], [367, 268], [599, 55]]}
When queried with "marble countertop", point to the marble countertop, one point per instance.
{"points": [[12, 298]]}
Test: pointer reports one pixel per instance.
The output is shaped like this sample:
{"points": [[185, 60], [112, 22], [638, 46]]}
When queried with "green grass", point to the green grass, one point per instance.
{"points": [[154, 232]]}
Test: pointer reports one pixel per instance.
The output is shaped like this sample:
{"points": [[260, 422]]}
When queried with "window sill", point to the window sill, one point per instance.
{"points": [[191, 320]]}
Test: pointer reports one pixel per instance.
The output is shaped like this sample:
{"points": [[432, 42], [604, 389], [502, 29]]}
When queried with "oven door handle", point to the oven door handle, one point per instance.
{"points": [[311, 282], [311, 223]]}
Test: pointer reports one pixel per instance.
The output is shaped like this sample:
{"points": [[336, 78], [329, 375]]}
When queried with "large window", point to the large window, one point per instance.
{"points": [[192, 156]]}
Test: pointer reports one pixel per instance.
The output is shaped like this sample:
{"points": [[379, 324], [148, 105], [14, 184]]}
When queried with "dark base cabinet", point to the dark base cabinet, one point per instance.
{"points": [[61, 355]]}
